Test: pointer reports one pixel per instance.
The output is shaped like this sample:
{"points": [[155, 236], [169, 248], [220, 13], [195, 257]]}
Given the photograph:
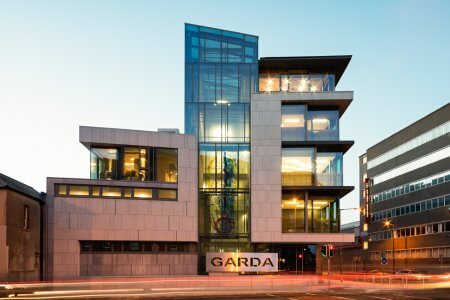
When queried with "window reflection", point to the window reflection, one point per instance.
{"points": [[166, 165], [323, 125], [103, 163], [329, 168], [295, 83], [293, 122]]}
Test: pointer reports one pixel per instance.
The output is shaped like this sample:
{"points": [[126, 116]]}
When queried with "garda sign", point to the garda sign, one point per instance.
{"points": [[241, 262]]}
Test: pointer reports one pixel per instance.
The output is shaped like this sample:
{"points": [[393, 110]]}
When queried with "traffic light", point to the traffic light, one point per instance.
{"points": [[331, 250], [324, 250], [300, 256]]}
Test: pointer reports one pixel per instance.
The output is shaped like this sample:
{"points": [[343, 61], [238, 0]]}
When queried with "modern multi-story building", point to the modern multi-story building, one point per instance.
{"points": [[135, 216], [405, 188], [259, 171], [270, 157]]}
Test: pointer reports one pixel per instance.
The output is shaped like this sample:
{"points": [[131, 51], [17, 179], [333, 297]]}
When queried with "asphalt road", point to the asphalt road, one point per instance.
{"points": [[336, 294]]}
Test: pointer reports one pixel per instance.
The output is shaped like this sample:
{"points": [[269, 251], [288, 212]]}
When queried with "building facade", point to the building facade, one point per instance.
{"points": [[221, 69], [406, 188], [21, 211], [135, 216], [242, 110]]}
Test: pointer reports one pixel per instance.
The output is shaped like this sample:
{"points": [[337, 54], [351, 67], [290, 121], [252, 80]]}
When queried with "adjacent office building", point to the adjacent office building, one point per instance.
{"points": [[405, 188], [270, 156]]}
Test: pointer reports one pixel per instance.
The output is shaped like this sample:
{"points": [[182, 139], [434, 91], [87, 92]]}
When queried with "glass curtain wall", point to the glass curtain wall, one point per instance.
{"points": [[221, 72]]}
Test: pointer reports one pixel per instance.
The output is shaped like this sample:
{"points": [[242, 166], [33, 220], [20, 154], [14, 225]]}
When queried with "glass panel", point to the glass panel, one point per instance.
{"points": [[328, 82], [244, 167], [108, 191], [227, 160], [329, 168], [95, 191], [297, 166], [323, 125], [236, 123], [127, 192], [316, 83], [244, 82], [207, 83], [207, 176], [211, 123], [61, 189], [135, 164], [167, 194], [293, 213], [299, 83], [103, 163], [166, 165], [230, 83], [142, 193], [324, 214], [293, 122], [78, 190], [269, 82]]}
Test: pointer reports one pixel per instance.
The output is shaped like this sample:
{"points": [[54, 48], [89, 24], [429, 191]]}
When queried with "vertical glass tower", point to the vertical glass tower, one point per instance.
{"points": [[221, 72]]}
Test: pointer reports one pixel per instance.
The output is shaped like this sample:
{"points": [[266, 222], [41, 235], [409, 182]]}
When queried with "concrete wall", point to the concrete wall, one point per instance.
{"points": [[74, 219], [19, 247], [266, 177], [127, 264]]}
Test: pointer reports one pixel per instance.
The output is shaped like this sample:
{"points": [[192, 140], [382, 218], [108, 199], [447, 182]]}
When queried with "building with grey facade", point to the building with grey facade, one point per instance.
{"points": [[405, 188], [135, 216]]}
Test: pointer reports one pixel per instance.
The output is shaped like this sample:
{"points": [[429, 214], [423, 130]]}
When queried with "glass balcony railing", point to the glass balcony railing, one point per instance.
{"points": [[296, 83]]}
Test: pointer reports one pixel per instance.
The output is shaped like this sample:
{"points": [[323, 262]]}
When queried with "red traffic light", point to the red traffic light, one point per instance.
{"points": [[300, 256]]}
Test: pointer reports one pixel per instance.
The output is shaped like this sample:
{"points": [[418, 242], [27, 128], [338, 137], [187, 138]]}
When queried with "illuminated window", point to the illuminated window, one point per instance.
{"points": [[103, 163], [135, 164], [108, 191], [293, 213], [166, 165], [297, 166], [78, 190], [143, 193]]}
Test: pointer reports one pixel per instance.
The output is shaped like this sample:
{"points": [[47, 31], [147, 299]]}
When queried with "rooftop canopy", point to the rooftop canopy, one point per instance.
{"points": [[334, 64]]}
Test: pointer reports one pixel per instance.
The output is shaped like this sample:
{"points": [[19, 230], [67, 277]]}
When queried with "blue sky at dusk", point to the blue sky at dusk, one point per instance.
{"points": [[121, 64]]}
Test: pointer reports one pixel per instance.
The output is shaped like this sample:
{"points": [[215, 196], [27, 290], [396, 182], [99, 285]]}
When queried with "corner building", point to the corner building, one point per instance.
{"points": [[274, 121]]}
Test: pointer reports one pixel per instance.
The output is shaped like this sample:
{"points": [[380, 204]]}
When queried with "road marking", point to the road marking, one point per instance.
{"points": [[380, 297], [311, 294], [414, 297], [343, 298], [270, 295]]}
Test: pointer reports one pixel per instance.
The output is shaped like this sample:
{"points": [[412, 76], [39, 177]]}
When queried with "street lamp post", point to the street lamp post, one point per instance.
{"points": [[388, 223]]}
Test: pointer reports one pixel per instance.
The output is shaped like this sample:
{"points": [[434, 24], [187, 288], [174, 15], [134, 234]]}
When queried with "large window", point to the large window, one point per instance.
{"points": [[224, 123], [306, 167], [323, 214], [293, 122], [297, 166], [322, 125], [135, 164], [295, 83], [293, 213], [103, 163], [226, 166], [166, 165], [329, 168]]}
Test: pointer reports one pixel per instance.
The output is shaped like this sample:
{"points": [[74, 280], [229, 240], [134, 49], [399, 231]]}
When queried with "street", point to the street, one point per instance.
{"points": [[231, 287]]}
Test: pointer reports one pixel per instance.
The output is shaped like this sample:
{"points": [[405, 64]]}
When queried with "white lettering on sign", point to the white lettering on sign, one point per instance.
{"points": [[241, 262]]}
